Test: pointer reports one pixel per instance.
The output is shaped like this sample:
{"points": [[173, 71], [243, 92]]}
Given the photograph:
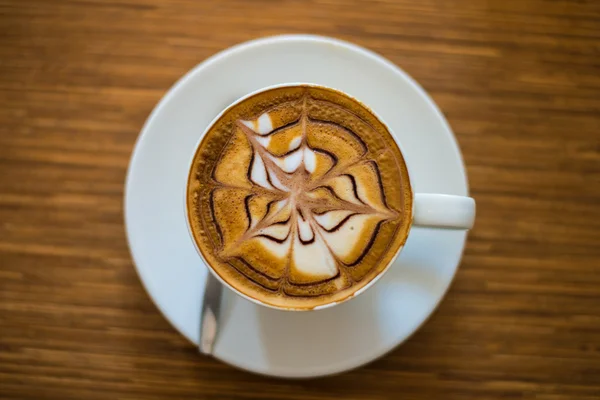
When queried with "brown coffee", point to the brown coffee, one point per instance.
{"points": [[298, 197]]}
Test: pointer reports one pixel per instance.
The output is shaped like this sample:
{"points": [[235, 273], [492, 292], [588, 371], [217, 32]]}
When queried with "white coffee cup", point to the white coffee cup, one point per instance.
{"points": [[434, 210]]}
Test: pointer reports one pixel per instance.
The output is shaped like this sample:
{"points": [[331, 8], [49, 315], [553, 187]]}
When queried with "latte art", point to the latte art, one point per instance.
{"points": [[298, 197]]}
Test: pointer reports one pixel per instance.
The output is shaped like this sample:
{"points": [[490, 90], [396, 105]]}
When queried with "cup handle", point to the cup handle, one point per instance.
{"points": [[444, 210]]}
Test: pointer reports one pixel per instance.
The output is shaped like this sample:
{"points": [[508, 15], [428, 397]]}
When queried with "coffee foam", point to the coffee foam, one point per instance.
{"points": [[298, 197]]}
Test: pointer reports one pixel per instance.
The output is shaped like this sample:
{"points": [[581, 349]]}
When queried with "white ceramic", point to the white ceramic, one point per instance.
{"points": [[433, 210], [260, 339]]}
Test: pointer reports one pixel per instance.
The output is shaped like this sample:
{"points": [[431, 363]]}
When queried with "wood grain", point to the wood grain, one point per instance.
{"points": [[519, 81]]}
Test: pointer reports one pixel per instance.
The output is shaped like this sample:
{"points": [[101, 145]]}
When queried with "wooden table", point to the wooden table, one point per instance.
{"points": [[519, 82]]}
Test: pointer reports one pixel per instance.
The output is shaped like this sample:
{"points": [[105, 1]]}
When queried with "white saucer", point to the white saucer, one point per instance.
{"points": [[266, 341]]}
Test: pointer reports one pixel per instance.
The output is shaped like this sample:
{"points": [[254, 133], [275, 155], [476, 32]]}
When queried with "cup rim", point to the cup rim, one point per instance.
{"points": [[227, 284]]}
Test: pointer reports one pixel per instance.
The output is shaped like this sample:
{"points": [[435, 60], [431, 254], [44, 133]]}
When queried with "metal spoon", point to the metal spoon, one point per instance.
{"points": [[209, 317]]}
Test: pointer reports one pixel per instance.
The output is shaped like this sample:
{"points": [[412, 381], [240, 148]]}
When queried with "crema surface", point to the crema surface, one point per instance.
{"points": [[298, 197]]}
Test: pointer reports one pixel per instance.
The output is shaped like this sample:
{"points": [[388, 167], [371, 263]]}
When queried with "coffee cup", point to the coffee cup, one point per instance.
{"points": [[354, 208]]}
